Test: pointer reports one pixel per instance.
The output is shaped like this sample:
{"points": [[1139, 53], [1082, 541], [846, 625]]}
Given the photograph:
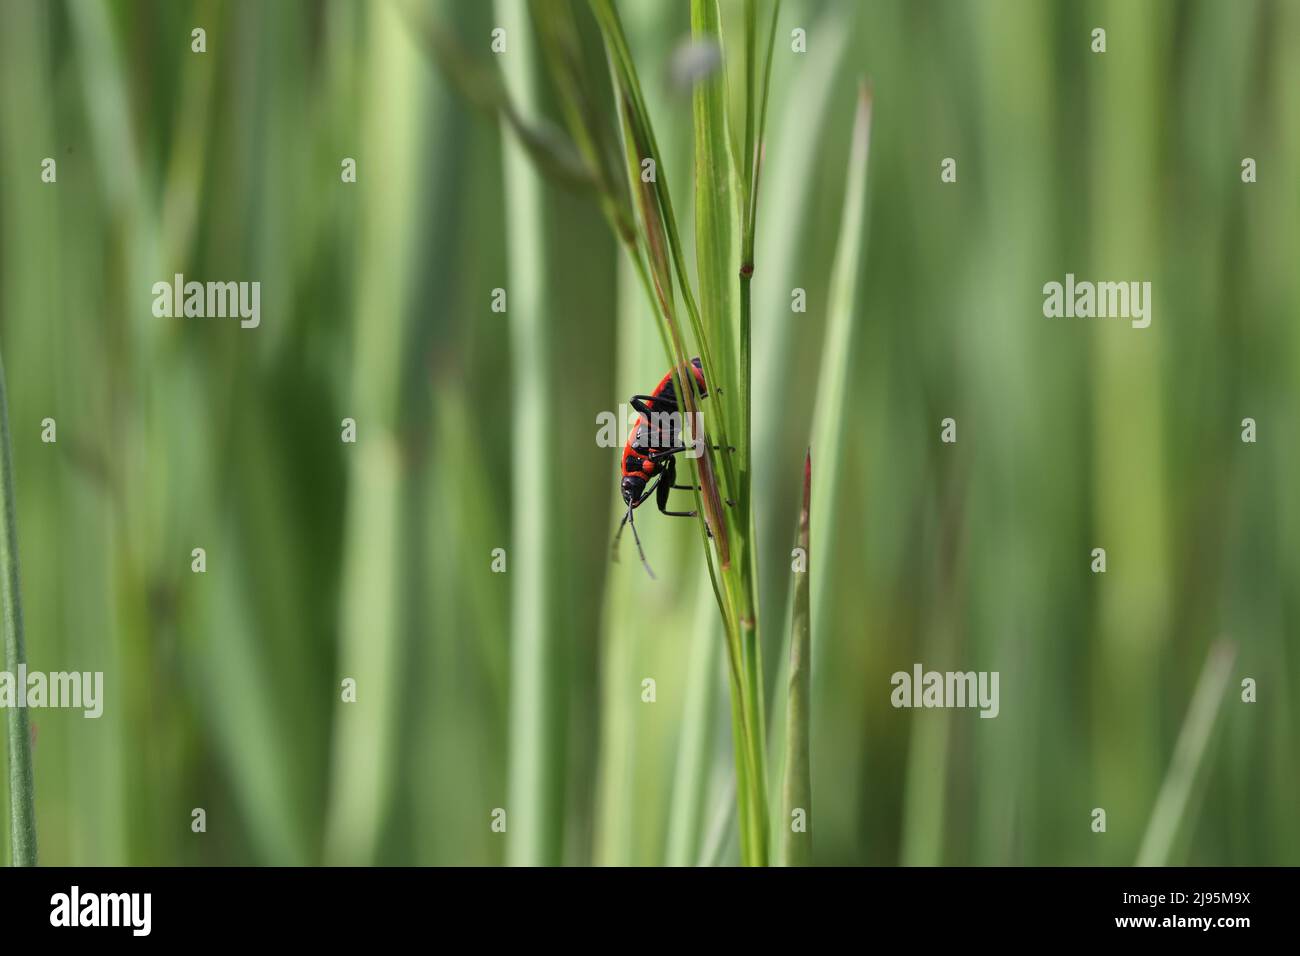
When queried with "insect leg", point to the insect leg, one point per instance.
{"points": [[638, 402], [666, 486]]}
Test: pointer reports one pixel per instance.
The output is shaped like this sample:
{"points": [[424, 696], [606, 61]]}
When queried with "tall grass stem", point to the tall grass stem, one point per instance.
{"points": [[1170, 817], [797, 845], [22, 806]]}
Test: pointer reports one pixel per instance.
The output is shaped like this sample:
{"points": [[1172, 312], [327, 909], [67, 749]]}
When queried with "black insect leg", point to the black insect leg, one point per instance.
{"points": [[665, 487], [638, 402]]}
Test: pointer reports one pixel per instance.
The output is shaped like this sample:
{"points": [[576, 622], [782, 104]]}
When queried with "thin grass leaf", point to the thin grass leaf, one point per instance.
{"points": [[719, 198], [657, 280], [720, 828], [753, 157], [832, 412], [626, 79], [717, 241], [806, 116], [750, 169], [365, 761], [558, 34], [717, 194], [537, 541], [797, 846], [729, 536], [554, 153], [1171, 816], [22, 806], [636, 144], [717, 249], [750, 642], [695, 748], [560, 42]]}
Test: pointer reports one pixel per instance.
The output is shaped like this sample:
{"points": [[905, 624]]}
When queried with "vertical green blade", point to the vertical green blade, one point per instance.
{"points": [[797, 843]]}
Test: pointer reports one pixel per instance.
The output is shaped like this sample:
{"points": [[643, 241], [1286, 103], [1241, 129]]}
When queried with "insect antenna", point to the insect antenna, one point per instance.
{"points": [[628, 519]]}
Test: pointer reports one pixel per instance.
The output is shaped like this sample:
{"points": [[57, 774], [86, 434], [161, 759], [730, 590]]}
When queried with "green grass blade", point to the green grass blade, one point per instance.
{"points": [[832, 412], [721, 832], [797, 846], [695, 746], [807, 115], [724, 287], [593, 134], [718, 258], [365, 761], [1171, 816], [731, 535], [642, 129], [535, 749], [753, 157], [656, 276], [22, 806], [550, 149], [717, 220], [658, 238]]}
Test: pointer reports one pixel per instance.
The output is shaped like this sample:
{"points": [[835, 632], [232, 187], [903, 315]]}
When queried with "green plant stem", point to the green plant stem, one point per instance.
{"points": [[695, 745], [797, 791], [755, 121], [536, 732], [831, 411], [22, 805], [752, 702], [626, 78], [1170, 815], [664, 255], [719, 199]]}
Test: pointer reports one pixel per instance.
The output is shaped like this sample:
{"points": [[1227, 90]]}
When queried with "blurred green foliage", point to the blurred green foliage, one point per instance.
{"points": [[373, 561]]}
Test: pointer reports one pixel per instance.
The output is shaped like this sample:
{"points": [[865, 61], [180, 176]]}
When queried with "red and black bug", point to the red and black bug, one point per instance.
{"points": [[649, 457]]}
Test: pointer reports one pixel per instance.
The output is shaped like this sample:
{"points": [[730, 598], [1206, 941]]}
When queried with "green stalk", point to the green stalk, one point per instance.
{"points": [[1170, 816], [487, 90], [22, 806], [797, 847], [626, 78], [558, 36], [718, 199], [663, 250], [660, 237], [659, 293], [831, 411], [658, 281], [372, 641], [535, 757], [695, 746], [752, 172], [805, 115], [749, 572]]}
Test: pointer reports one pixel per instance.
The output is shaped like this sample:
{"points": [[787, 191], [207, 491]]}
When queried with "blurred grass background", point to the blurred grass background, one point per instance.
{"points": [[373, 560]]}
